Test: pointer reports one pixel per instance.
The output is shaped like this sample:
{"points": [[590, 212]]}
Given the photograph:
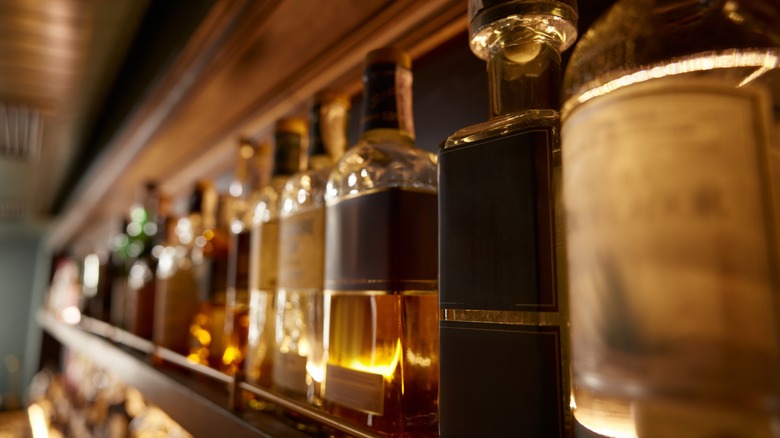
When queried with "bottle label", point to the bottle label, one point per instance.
{"points": [[265, 247], [523, 383], [357, 390], [302, 249], [671, 236], [497, 238], [387, 102], [290, 372], [238, 263], [382, 240]]}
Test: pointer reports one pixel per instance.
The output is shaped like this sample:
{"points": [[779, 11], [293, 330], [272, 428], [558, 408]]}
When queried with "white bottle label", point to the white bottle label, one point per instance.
{"points": [[671, 237], [355, 389]]}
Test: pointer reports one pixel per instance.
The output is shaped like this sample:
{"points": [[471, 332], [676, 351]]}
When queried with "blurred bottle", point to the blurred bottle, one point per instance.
{"points": [[144, 231], [291, 141], [381, 301], [299, 355], [250, 176], [207, 329], [121, 265], [670, 157]]}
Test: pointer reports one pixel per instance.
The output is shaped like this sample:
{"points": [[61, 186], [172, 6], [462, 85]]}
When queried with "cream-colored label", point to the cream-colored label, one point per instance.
{"points": [[290, 372], [267, 264], [301, 249], [670, 235], [355, 389]]}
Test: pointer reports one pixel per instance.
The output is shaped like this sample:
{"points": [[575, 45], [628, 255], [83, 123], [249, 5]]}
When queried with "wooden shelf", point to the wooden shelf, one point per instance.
{"points": [[195, 396]]}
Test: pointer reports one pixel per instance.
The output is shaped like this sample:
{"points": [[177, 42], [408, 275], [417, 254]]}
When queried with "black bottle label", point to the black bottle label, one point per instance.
{"points": [[382, 240], [387, 102], [497, 241], [521, 395]]}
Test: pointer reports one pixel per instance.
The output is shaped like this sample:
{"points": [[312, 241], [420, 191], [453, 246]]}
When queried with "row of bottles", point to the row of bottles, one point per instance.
{"points": [[636, 198]]}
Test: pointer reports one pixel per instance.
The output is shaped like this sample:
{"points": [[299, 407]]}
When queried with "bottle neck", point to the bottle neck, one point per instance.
{"points": [[524, 73], [387, 101], [287, 157], [328, 133]]}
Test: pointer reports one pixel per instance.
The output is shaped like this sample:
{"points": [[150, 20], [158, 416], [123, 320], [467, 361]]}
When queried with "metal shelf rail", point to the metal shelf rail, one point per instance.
{"points": [[193, 403]]}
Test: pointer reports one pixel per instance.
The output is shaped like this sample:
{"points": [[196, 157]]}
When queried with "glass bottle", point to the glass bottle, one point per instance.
{"points": [[670, 156], [502, 266], [247, 181], [121, 264], [289, 158], [184, 271], [207, 329], [143, 234], [381, 303], [299, 356]]}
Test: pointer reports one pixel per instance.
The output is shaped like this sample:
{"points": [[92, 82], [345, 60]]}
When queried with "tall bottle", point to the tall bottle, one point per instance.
{"points": [[143, 234], [671, 164], [381, 303], [502, 267], [291, 141], [121, 264], [207, 328], [299, 356], [249, 178]]}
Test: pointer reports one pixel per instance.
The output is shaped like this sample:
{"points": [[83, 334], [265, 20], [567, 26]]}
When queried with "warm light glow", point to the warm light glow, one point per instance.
{"points": [[420, 361], [230, 355], [386, 370], [765, 61], [201, 241], [236, 226], [71, 315], [236, 189], [38, 422], [208, 234]]}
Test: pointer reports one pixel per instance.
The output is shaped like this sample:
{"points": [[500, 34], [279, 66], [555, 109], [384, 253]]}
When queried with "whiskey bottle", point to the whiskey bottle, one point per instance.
{"points": [[502, 269], [291, 140], [250, 177], [143, 235], [299, 356], [207, 329], [184, 270], [121, 264], [670, 157], [381, 302]]}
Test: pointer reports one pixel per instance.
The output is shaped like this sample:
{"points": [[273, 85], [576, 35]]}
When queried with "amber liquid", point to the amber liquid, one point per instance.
{"points": [[236, 306], [393, 336], [207, 333], [381, 311]]}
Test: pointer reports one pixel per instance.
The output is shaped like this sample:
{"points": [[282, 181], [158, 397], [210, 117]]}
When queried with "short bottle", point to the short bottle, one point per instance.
{"points": [[290, 144], [502, 253], [670, 185], [299, 356], [381, 303]]}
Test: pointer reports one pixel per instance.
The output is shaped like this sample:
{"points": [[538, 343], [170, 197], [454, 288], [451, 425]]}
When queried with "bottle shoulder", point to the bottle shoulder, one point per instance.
{"points": [[305, 190], [382, 163], [652, 36], [510, 124], [266, 206]]}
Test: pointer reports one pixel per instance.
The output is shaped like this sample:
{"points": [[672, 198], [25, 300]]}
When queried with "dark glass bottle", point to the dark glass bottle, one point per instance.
{"points": [[503, 299]]}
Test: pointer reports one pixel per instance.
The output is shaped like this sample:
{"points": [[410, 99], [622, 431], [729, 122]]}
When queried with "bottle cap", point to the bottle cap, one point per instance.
{"points": [[389, 55], [327, 96], [295, 125], [483, 13]]}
